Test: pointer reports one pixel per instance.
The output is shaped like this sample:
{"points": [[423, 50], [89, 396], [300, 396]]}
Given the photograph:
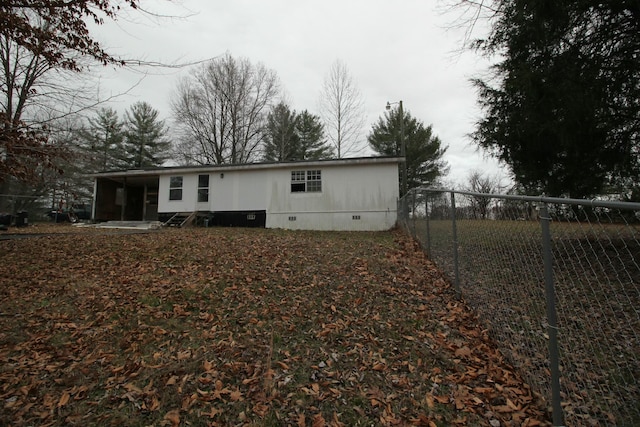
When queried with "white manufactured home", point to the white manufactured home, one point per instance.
{"points": [[342, 194]]}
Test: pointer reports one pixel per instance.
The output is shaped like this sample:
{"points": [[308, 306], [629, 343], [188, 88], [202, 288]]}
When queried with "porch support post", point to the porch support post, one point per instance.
{"points": [[124, 198], [94, 199], [144, 203]]}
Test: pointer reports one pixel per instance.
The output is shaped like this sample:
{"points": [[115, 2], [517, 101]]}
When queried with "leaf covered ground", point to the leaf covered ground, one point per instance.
{"points": [[208, 327]]}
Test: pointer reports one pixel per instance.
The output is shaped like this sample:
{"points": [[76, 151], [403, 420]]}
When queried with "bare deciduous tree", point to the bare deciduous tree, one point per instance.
{"points": [[220, 111], [473, 17], [479, 182], [67, 30], [342, 110], [42, 45], [36, 99]]}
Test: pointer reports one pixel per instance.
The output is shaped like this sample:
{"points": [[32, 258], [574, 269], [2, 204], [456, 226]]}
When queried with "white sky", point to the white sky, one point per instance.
{"points": [[395, 50]]}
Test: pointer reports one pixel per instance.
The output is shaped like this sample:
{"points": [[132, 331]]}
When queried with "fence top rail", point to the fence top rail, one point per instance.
{"points": [[538, 199]]}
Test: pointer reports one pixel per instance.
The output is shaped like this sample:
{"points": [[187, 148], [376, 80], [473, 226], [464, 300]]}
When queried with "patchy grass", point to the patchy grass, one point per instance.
{"points": [[243, 327]]}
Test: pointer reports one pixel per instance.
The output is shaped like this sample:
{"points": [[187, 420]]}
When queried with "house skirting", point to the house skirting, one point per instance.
{"points": [[224, 218]]}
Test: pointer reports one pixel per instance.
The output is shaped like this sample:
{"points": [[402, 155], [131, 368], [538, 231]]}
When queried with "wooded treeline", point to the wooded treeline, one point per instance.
{"points": [[228, 110]]}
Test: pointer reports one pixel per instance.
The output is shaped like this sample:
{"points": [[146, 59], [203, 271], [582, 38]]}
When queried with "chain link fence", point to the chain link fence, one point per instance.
{"points": [[55, 207], [13, 206], [557, 283]]}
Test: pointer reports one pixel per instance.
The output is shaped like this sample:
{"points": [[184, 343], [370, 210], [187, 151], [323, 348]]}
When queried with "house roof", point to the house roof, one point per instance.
{"points": [[172, 170]]}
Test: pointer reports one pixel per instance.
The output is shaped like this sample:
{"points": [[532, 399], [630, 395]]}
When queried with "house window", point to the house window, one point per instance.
{"points": [[314, 181], [175, 188], [203, 188], [298, 181], [306, 181]]}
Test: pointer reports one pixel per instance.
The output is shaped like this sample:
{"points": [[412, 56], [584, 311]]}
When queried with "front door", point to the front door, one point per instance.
{"points": [[151, 204]]}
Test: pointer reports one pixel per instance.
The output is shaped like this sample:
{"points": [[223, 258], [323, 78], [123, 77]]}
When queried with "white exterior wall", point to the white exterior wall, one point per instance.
{"points": [[239, 190], [228, 191], [189, 194], [365, 190]]}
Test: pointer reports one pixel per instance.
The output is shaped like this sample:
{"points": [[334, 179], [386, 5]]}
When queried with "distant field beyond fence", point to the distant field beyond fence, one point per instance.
{"points": [[557, 282]]}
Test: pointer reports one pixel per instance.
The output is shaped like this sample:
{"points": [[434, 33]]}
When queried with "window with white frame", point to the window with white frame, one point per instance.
{"points": [[203, 188], [307, 181], [314, 181], [298, 181], [175, 188]]}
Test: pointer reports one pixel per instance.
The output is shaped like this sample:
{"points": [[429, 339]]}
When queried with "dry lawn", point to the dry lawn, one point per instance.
{"points": [[207, 327]]}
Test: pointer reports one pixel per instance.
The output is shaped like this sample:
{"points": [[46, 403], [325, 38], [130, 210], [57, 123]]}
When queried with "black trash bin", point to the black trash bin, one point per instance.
{"points": [[22, 219], [5, 219]]}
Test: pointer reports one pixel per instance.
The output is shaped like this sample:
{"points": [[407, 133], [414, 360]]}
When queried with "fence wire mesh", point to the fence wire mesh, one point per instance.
{"points": [[492, 250]]}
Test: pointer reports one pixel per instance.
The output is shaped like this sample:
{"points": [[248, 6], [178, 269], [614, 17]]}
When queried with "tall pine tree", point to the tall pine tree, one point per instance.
{"points": [[102, 142], [424, 150], [145, 144], [565, 98], [312, 142], [281, 140], [290, 136]]}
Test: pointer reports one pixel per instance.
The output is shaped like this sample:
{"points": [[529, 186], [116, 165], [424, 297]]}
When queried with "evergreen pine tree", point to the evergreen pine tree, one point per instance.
{"points": [[312, 142], [101, 143], [145, 145], [564, 96], [281, 141], [424, 150]]}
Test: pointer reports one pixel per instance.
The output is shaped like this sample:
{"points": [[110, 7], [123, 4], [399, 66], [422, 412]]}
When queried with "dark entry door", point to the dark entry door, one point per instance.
{"points": [[151, 205], [133, 207]]}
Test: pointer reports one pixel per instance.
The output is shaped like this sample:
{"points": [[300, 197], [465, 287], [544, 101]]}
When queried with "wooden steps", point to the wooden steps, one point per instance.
{"points": [[180, 219]]}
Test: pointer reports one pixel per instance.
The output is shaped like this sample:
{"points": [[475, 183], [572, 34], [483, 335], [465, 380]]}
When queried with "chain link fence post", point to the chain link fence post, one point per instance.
{"points": [[554, 355], [426, 219], [454, 230], [413, 214]]}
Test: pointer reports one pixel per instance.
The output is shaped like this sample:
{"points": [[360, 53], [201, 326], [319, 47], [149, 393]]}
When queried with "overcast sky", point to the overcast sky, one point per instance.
{"points": [[395, 50]]}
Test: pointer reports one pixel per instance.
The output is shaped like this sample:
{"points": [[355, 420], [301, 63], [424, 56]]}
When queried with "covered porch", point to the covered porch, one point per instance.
{"points": [[129, 197]]}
